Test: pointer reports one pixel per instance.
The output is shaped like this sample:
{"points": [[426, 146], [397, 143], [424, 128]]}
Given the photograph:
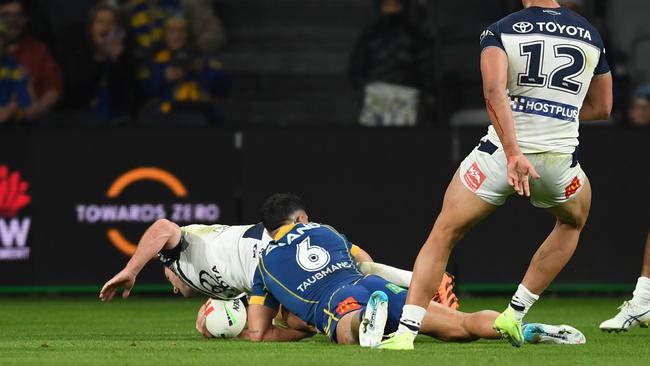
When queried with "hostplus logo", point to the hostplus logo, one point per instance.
{"points": [[14, 229]]}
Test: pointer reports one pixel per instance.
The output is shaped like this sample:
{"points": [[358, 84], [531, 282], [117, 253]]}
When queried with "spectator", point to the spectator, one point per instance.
{"points": [[146, 18], [14, 93], [46, 83], [639, 109], [183, 79], [97, 69], [392, 61]]}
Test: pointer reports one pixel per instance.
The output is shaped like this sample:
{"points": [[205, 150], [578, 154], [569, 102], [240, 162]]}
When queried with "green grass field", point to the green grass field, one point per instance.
{"points": [[150, 331]]}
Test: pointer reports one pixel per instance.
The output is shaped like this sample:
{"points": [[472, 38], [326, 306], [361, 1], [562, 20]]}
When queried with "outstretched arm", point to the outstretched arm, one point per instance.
{"points": [[162, 235], [494, 70], [261, 328]]}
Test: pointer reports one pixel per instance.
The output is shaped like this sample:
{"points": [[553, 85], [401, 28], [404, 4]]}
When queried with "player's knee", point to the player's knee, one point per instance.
{"points": [[574, 223], [447, 235], [256, 337]]}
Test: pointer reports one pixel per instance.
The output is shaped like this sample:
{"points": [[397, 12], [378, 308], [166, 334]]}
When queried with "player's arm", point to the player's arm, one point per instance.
{"points": [[261, 328], [162, 235], [359, 254], [494, 70], [599, 100], [394, 275]]}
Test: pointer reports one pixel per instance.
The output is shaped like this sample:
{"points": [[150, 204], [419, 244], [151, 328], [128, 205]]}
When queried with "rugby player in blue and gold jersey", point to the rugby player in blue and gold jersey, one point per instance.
{"points": [[309, 270]]}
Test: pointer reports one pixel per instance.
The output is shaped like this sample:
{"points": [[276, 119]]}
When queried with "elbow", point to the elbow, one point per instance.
{"points": [[607, 110], [492, 94], [604, 112], [164, 224], [256, 337]]}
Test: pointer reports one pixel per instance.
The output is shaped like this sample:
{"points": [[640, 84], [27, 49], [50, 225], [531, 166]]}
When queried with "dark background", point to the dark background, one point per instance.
{"points": [[291, 125], [381, 187]]}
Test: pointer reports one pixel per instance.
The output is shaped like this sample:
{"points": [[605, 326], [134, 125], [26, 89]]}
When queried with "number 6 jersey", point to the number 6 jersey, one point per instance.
{"points": [[302, 269], [552, 56]]}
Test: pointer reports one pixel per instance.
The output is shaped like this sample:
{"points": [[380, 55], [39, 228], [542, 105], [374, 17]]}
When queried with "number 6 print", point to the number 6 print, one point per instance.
{"points": [[311, 257]]}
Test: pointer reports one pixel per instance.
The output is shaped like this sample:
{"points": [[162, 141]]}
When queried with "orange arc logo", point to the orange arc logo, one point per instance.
{"points": [[132, 176]]}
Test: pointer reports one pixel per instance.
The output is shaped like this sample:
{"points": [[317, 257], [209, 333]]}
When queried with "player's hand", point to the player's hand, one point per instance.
{"points": [[200, 323], [124, 279], [519, 171]]}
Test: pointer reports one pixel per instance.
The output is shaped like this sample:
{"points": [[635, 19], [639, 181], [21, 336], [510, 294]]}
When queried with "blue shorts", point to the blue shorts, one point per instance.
{"points": [[355, 297]]}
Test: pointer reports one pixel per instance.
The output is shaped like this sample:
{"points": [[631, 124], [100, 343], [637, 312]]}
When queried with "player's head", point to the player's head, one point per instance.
{"points": [[543, 3], [178, 286], [282, 209], [575, 5]]}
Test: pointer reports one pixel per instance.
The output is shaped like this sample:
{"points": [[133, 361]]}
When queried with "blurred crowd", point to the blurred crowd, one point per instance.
{"points": [[142, 59], [151, 61]]}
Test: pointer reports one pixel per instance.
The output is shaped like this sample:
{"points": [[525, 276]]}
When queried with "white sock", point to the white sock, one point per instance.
{"points": [[642, 292], [411, 319], [521, 301]]}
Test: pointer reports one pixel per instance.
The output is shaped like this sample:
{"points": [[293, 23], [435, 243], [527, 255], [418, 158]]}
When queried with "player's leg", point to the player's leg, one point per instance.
{"points": [[347, 329], [637, 310], [451, 325], [460, 211], [356, 315], [554, 253], [645, 272], [558, 248]]}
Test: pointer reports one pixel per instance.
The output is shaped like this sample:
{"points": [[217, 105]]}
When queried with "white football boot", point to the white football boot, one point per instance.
{"points": [[371, 329], [559, 334], [630, 315]]}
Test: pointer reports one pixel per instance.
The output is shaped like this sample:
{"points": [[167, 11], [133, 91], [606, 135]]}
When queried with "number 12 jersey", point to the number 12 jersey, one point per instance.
{"points": [[552, 56]]}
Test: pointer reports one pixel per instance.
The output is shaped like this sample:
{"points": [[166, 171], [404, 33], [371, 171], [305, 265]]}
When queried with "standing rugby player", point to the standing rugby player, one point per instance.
{"points": [[544, 70], [636, 311]]}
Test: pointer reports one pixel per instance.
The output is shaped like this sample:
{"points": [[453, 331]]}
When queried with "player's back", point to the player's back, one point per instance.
{"points": [[553, 53], [218, 260], [303, 266]]}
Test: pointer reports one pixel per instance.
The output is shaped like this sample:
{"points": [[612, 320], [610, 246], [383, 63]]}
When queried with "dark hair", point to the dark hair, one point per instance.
{"points": [[278, 208]]}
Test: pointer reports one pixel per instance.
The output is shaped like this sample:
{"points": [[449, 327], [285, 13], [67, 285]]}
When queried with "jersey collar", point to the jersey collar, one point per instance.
{"points": [[283, 231]]}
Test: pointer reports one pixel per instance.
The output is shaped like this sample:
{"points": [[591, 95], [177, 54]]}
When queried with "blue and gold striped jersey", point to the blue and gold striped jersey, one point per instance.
{"points": [[302, 269], [14, 82]]}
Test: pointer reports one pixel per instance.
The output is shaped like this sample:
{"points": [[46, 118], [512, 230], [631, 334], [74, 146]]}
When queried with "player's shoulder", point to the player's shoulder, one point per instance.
{"points": [[557, 22], [215, 233], [327, 229], [203, 229]]}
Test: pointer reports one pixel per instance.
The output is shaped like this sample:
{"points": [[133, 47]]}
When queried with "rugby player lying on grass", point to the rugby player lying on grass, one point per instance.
{"points": [[219, 261], [310, 271]]}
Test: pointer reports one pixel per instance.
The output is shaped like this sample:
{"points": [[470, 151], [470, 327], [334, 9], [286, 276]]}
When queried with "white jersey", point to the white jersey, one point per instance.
{"points": [[552, 56], [218, 260]]}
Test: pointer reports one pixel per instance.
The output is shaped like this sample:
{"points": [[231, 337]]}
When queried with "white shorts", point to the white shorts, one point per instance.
{"points": [[485, 172]]}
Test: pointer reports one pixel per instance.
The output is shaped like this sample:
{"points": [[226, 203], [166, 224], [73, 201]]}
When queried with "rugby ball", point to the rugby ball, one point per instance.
{"points": [[225, 318]]}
